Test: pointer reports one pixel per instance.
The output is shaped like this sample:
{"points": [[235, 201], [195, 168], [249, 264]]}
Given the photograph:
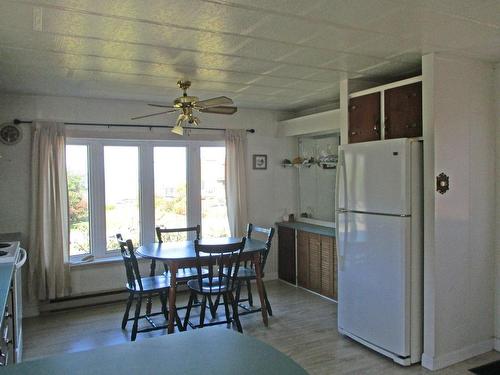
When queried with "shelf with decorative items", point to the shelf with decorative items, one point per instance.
{"points": [[326, 162]]}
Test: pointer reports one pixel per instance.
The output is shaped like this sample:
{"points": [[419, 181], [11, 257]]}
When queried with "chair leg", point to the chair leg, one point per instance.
{"points": [[202, 312], [236, 316], [127, 310], [216, 302], [188, 310], [238, 291], [249, 290], [226, 309], [163, 300], [268, 305], [213, 309], [136, 318]]}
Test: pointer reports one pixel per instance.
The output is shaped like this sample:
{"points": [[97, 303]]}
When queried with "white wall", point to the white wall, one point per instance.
{"points": [[459, 273], [270, 192], [497, 281]]}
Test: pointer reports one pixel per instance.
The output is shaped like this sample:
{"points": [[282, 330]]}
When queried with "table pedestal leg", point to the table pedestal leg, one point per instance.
{"points": [[149, 302], [260, 288], [171, 300]]}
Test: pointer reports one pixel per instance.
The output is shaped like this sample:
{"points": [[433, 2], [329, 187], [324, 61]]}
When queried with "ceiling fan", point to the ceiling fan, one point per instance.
{"points": [[186, 104]]}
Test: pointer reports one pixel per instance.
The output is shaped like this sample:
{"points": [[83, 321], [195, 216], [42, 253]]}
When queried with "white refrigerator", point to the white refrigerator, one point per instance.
{"points": [[380, 246]]}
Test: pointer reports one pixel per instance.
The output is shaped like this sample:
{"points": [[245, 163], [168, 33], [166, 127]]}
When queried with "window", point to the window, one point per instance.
{"points": [[129, 187], [78, 198], [121, 179], [213, 192], [170, 199]]}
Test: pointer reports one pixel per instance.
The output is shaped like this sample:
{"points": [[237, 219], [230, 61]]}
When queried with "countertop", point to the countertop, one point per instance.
{"points": [[202, 351], [6, 271], [306, 227]]}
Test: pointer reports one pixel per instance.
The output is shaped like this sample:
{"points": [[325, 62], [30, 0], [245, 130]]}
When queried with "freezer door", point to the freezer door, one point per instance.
{"points": [[374, 279], [375, 177]]}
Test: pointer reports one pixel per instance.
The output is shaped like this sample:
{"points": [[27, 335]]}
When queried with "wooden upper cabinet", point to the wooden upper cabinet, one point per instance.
{"points": [[364, 118], [403, 111]]}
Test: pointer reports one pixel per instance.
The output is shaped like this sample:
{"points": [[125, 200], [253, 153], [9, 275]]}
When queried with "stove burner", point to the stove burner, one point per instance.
{"points": [[2, 253], [2, 245]]}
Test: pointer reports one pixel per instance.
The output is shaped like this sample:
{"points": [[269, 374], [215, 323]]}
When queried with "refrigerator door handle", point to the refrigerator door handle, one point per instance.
{"points": [[339, 211]]}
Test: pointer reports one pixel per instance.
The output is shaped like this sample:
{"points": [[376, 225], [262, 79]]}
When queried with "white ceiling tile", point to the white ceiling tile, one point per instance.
{"points": [[353, 63], [264, 50], [297, 7], [352, 13], [337, 38], [291, 71], [309, 56], [279, 28]]}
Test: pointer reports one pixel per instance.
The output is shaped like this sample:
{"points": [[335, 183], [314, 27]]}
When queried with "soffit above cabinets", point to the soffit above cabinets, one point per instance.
{"points": [[283, 55]]}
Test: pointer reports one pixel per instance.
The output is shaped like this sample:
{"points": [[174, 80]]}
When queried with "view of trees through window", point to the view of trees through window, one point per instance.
{"points": [[170, 190], [78, 197], [121, 178], [214, 221]]}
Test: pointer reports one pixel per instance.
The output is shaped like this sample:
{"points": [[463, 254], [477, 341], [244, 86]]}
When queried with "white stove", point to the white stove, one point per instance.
{"points": [[8, 251]]}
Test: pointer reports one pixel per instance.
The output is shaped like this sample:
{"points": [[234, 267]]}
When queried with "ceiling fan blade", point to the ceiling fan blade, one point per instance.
{"points": [[213, 102], [220, 110], [152, 114], [160, 105]]}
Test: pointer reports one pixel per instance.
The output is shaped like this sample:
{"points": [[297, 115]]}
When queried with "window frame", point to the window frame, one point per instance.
{"points": [[96, 183]]}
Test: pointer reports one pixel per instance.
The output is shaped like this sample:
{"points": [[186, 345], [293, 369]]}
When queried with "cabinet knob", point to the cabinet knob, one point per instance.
{"points": [[354, 133], [413, 125]]}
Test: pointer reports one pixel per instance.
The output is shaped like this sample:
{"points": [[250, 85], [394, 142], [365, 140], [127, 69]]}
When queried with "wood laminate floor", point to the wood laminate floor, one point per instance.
{"points": [[304, 326]]}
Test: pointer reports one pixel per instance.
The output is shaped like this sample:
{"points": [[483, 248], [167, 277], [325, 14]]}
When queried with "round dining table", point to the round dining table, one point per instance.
{"points": [[182, 255]]}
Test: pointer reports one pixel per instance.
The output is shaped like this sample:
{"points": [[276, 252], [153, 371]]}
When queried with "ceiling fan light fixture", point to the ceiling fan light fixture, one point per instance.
{"points": [[177, 129]]}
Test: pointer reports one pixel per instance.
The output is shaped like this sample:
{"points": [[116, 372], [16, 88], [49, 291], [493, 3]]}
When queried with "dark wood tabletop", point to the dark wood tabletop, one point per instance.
{"points": [[185, 249]]}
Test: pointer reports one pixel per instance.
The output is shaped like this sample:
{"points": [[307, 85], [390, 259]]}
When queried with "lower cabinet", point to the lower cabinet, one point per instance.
{"points": [[286, 254], [317, 263]]}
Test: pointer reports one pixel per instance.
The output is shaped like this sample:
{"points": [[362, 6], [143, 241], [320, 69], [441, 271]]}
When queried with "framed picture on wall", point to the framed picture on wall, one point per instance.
{"points": [[259, 161]]}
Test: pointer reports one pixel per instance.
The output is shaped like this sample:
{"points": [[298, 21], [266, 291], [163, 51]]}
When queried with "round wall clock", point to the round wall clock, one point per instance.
{"points": [[10, 134]]}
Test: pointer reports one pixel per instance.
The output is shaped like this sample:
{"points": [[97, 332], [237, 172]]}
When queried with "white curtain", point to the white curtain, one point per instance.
{"points": [[236, 183], [49, 227]]}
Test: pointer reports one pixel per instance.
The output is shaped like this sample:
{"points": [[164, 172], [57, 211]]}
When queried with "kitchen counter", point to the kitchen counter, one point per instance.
{"points": [[209, 350], [6, 272], [306, 227]]}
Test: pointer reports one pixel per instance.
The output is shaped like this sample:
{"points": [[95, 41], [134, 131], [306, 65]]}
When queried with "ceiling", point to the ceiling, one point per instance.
{"points": [[276, 54]]}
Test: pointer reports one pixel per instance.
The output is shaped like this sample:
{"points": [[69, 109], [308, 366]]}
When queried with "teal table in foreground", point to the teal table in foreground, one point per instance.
{"points": [[205, 351]]}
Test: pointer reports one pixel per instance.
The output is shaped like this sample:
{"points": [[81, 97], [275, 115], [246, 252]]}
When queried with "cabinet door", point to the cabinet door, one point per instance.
{"points": [[314, 262], [286, 254], [403, 111], [364, 118], [327, 266], [303, 259]]}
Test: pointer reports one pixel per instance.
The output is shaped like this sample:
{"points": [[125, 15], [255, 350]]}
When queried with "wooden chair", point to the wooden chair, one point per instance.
{"points": [[138, 286], [223, 264], [183, 274], [246, 273]]}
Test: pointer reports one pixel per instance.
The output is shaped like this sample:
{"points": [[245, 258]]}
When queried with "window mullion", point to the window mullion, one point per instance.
{"points": [[97, 200], [146, 187], [193, 185]]}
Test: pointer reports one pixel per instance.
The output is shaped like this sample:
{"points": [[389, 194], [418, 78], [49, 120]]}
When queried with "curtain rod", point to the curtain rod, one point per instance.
{"points": [[17, 121]]}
